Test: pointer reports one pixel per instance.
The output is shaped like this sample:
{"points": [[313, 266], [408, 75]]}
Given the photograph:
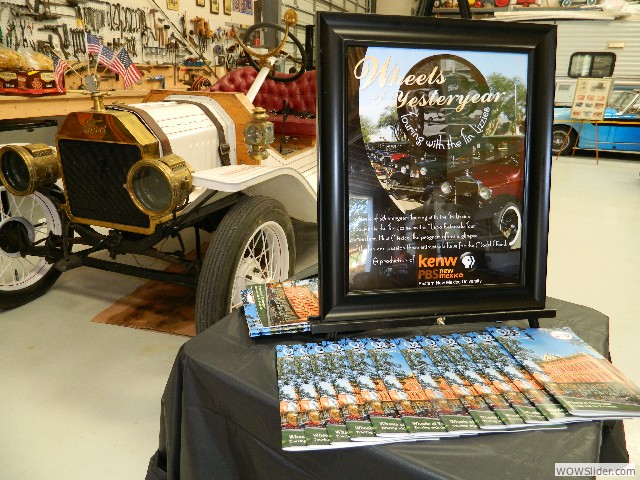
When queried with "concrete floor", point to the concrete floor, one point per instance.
{"points": [[81, 400]]}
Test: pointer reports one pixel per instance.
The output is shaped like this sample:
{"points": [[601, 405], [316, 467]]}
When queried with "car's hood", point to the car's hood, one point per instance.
{"points": [[497, 173]]}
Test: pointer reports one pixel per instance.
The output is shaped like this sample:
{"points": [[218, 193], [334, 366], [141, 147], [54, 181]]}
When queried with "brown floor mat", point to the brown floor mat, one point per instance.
{"points": [[156, 306]]}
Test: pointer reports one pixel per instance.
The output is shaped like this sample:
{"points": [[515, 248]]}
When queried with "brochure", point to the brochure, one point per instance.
{"points": [[581, 379], [275, 308], [293, 436], [311, 417], [417, 412], [324, 378], [474, 403], [450, 409], [479, 382], [383, 415], [501, 382], [350, 398], [369, 391], [521, 378]]}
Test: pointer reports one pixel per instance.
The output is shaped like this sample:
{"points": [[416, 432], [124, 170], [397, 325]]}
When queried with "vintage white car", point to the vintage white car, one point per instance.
{"points": [[122, 179]]}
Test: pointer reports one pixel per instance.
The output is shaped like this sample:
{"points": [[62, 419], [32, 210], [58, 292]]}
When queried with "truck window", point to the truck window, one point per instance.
{"points": [[592, 64]]}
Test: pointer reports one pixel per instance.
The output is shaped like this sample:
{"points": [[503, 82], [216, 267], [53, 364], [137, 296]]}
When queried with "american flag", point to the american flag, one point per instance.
{"points": [[59, 66], [93, 43], [123, 66], [106, 56]]}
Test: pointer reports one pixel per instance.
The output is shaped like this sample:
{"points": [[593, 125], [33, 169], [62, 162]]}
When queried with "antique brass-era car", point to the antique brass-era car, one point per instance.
{"points": [[122, 179]]}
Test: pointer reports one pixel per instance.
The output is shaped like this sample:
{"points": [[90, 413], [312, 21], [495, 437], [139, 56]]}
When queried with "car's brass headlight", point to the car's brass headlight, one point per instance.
{"points": [[160, 186], [25, 168]]}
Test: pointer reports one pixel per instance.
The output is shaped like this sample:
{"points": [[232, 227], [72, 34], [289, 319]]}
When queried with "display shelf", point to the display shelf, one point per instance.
{"points": [[15, 106]]}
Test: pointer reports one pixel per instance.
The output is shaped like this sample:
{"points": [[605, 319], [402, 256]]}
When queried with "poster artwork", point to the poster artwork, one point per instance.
{"points": [[591, 99], [436, 198]]}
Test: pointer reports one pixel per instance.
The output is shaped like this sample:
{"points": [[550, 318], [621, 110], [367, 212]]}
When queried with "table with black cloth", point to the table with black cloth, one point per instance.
{"points": [[220, 419]]}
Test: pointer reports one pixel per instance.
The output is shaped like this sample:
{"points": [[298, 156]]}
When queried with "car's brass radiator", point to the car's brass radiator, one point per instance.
{"points": [[95, 175]]}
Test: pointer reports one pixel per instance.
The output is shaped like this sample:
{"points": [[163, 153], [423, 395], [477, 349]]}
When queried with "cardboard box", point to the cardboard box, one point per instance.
{"points": [[28, 82]]}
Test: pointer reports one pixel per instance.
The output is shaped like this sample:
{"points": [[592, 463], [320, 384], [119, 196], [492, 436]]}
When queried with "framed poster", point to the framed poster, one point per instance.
{"points": [[434, 148], [214, 6], [591, 99], [200, 3], [227, 7]]}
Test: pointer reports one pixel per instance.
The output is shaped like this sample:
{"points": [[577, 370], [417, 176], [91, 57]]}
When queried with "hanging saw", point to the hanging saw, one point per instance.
{"points": [[192, 50]]}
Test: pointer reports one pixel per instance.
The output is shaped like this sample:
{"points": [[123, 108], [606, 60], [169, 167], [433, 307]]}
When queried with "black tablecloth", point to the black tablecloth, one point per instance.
{"points": [[220, 420]]}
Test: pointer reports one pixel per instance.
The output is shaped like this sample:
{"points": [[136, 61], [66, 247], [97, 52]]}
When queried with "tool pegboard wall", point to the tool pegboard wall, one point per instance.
{"points": [[155, 33]]}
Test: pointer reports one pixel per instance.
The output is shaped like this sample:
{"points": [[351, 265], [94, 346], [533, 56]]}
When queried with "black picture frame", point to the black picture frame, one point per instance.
{"points": [[343, 307]]}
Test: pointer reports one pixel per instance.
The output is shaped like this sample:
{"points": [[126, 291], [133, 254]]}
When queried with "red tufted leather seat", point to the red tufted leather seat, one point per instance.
{"points": [[300, 95]]}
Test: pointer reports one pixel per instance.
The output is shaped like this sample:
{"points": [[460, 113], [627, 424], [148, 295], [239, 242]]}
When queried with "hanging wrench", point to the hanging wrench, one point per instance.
{"points": [[23, 27]]}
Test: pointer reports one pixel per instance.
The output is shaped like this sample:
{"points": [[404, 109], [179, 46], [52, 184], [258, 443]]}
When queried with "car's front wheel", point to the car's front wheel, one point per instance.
{"points": [[25, 220], [254, 243], [563, 140], [508, 223]]}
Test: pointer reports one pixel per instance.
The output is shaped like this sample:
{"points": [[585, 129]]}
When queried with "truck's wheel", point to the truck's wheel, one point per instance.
{"points": [[254, 243], [29, 218]]}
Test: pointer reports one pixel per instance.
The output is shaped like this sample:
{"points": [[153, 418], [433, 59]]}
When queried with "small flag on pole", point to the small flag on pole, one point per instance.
{"points": [[93, 43], [123, 66], [106, 56], [59, 66]]}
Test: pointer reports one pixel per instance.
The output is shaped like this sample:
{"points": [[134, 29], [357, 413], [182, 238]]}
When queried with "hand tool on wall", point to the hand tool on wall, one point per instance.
{"points": [[159, 10], [11, 32], [23, 27], [78, 43], [56, 30]]}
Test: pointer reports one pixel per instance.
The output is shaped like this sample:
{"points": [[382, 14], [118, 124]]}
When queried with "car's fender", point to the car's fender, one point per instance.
{"points": [[285, 184]]}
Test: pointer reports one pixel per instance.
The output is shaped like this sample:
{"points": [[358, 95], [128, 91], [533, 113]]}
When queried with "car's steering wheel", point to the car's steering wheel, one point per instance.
{"points": [[273, 56]]}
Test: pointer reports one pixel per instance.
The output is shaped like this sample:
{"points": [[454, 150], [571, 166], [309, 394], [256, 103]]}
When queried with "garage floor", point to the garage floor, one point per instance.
{"points": [[81, 400]]}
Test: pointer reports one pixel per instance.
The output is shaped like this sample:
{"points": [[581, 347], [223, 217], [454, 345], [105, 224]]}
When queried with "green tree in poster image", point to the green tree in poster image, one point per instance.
{"points": [[368, 128], [389, 119], [358, 229], [512, 105]]}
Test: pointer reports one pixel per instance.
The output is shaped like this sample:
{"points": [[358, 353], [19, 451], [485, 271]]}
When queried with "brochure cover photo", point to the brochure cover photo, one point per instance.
{"points": [[581, 379]]}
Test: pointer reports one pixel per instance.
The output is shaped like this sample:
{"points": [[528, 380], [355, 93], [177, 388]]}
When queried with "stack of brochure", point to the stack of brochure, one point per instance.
{"points": [[365, 391], [274, 308]]}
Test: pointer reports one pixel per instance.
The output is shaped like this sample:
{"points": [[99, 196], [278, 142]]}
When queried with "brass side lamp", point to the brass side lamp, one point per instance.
{"points": [[258, 134]]}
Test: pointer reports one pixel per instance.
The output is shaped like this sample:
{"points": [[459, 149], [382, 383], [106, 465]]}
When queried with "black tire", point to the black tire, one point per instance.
{"points": [[507, 222], [227, 256], [25, 279], [303, 54], [562, 140]]}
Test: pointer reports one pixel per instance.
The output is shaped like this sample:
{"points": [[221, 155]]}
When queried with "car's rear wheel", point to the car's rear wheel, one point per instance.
{"points": [[563, 140], [25, 220], [508, 223], [254, 243]]}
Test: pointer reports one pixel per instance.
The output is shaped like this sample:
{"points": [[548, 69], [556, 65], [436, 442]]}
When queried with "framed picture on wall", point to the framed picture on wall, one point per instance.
{"points": [[214, 6], [227, 7], [200, 3], [172, 5], [435, 171]]}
